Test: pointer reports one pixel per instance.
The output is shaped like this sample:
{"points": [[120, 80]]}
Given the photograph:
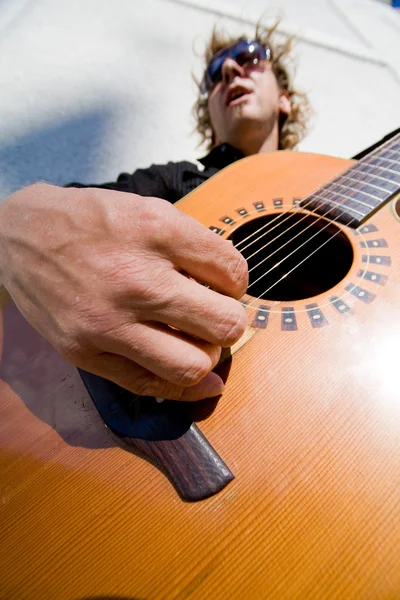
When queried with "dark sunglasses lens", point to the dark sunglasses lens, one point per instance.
{"points": [[247, 57], [242, 52], [245, 52], [214, 70]]}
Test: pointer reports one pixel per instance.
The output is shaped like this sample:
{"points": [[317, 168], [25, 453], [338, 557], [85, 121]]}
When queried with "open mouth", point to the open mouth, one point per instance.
{"points": [[235, 95]]}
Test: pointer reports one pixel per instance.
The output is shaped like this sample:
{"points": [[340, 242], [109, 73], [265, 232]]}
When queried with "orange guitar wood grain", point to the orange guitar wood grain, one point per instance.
{"points": [[309, 424]]}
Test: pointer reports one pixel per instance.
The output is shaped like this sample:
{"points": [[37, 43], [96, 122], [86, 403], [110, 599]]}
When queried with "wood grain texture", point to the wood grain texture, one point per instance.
{"points": [[309, 423], [164, 432]]}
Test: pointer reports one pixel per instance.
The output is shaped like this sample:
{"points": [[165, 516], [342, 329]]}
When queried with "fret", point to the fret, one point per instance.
{"points": [[394, 143], [364, 176], [392, 147], [365, 186], [378, 193], [395, 152], [395, 162], [378, 187], [384, 159], [347, 187], [389, 177], [382, 169], [385, 167], [313, 200], [330, 201], [349, 198]]}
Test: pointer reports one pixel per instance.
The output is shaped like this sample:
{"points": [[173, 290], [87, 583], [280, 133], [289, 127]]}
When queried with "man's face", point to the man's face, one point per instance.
{"points": [[245, 105]]}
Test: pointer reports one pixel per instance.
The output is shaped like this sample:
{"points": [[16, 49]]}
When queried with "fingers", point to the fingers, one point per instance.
{"points": [[139, 380], [167, 353], [109, 289], [206, 256], [198, 311]]}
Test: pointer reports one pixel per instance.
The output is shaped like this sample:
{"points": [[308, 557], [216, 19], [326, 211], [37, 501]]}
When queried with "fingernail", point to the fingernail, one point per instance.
{"points": [[213, 385]]}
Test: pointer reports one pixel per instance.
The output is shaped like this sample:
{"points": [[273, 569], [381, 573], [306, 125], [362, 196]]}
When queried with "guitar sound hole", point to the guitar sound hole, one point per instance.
{"points": [[293, 256], [397, 208]]}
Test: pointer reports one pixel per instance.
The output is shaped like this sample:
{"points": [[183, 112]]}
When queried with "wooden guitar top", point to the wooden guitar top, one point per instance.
{"points": [[309, 425]]}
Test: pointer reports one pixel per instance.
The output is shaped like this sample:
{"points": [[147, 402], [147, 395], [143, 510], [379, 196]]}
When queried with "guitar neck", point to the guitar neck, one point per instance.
{"points": [[357, 193]]}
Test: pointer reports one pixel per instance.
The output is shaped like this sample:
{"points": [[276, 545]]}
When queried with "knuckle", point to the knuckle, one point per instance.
{"points": [[160, 388], [149, 289], [238, 271], [233, 326], [70, 349], [95, 326], [159, 292], [193, 373], [146, 384], [78, 343], [215, 355], [153, 218], [120, 272], [87, 333]]}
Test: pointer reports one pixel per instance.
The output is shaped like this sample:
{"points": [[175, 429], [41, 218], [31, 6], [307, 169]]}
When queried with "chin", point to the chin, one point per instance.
{"points": [[246, 126]]}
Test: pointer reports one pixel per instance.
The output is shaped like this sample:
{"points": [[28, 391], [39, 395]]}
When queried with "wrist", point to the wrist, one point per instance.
{"points": [[13, 216]]}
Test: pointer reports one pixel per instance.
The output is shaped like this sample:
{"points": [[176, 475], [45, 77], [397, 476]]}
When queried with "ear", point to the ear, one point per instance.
{"points": [[285, 106]]}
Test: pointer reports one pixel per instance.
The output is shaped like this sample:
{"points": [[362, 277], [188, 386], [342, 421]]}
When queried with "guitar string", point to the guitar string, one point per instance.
{"points": [[292, 213], [296, 249], [312, 197], [298, 264], [324, 190], [291, 254], [285, 244], [295, 267], [391, 142], [289, 212]]}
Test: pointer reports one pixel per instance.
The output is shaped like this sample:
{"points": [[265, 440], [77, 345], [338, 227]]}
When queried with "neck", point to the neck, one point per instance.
{"points": [[256, 144]]}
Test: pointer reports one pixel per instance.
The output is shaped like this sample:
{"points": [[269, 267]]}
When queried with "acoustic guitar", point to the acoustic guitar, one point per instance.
{"points": [[287, 486]]}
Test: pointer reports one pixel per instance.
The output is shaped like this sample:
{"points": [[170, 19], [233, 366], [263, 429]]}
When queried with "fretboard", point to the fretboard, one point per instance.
{"points": [[358, 192]]}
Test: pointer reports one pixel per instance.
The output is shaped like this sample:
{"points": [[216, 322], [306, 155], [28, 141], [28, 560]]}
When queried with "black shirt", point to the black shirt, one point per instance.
{"points": [[173, 180], [176, 179]]}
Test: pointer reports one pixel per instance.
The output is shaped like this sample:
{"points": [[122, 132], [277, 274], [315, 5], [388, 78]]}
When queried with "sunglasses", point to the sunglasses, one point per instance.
{"points": [[244, 52]]}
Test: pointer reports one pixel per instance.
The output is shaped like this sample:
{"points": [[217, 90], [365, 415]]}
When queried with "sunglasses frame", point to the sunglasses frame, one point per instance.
{"points": [[209, 79]]}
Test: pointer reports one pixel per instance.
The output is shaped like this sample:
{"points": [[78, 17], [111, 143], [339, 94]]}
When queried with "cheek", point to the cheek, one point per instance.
{"points": [[212, 105], [270, 98], [214, 112], [269, 89]]}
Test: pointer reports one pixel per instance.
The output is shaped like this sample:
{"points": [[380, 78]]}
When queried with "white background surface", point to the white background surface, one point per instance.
{"points": [[90, 88]]}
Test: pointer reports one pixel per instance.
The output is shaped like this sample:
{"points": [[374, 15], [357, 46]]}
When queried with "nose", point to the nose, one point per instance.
{"points": [[230, 70]]}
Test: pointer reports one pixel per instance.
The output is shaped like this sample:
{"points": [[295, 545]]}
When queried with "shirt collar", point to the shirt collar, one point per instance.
{"points": [[221, 156]]}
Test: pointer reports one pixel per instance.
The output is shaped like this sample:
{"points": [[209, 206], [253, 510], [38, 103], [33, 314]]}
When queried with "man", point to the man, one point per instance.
{"points": [[102, 274]]}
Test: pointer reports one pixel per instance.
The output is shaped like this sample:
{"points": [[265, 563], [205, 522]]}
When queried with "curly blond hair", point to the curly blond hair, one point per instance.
{"points": [[292, 127]]}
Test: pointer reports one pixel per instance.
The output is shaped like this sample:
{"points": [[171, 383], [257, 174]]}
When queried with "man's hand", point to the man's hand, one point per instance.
{"points": [[110, 279]]}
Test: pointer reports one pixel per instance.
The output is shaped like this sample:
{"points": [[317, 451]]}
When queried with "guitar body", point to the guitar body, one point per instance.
{"points": [[309, 425]]}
